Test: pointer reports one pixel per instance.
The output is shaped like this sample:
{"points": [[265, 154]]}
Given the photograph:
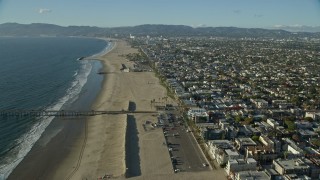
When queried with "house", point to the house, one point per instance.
{"points": [[292, 148], [236, 165], [260, 103], [217, 150], [307, 134], [252, 175], [273, 145], [303, 125], [243, 144], [209, 133], [291, 166], [313, 114], [273, 123], [199, 115], [231, 132]]}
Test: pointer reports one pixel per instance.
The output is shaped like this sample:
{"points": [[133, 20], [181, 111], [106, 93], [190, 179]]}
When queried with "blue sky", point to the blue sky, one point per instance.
{"points": [[113, 13]]}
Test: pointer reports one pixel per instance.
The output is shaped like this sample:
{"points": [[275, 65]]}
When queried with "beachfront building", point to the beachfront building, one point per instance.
{"points": [[246, 144], [297, 167], [236, 165], [210, 133], [291, 166], [198, 115], [222, 151], [252, 175]]}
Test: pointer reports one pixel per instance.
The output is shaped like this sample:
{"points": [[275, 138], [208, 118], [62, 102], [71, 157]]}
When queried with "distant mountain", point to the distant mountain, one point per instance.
{"points": [[298, 28], [38, 29]]}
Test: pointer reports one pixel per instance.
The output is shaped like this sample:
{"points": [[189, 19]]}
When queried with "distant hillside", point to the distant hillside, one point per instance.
{"points": [[37, 29], [298, 28]]}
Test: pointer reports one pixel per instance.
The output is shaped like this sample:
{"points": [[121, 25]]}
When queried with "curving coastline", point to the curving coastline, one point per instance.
{"points": [[108, 137], [44, 145], [104, 145]]}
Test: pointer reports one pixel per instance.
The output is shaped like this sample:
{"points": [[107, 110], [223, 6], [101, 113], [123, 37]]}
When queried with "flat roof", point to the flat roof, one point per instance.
{"points": [[231, 152], [246, 141], [254, 175], [296, 163]]}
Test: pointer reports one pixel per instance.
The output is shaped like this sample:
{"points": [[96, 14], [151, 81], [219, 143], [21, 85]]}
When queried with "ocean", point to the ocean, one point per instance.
{"points": [[42, 73]]}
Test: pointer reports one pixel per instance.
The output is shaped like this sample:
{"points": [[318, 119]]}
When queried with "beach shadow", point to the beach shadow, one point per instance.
{"points": [[132, 106], [132, 148]]}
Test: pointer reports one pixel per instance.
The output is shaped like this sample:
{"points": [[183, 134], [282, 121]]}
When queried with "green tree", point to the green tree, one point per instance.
{"points": [[248, 120], [290, 125], [255, 138], [308, 119], [238, 118]]}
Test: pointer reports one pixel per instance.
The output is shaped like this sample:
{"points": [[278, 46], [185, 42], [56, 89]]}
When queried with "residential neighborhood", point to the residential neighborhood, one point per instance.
{"points": [[252, 103]]}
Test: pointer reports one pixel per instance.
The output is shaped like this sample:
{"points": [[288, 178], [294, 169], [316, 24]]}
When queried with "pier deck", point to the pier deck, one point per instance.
{"points": [[4, 113]]}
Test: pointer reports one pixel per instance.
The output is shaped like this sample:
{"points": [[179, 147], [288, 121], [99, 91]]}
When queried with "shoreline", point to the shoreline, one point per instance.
{"points": [[125, 146], [59, 128], [109, 148], [94, 128], [120, 146]]}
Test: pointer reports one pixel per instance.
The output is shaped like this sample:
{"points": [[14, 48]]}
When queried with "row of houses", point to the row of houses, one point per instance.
{"points": [[258, 113]]}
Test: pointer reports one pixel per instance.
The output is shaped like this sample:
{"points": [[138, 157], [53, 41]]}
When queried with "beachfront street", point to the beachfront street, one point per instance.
{"points": [[183, 148]]}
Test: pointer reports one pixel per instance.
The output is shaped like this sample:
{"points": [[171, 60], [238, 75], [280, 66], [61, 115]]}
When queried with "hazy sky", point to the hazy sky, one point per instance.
{"points": [[111, 13]]}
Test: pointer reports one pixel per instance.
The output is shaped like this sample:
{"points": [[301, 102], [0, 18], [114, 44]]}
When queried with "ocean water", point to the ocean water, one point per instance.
{"points": [[39, 73]]}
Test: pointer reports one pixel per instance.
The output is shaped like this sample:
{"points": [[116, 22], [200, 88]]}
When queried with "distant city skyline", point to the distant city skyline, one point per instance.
{"points": [[213, 13]]}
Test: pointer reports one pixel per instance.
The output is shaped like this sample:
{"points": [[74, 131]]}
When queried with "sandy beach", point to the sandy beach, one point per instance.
{"points": [[122, 146], [103, 149]]}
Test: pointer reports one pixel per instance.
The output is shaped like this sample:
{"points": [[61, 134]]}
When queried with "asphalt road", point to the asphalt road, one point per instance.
{"points": [[182, 146]]}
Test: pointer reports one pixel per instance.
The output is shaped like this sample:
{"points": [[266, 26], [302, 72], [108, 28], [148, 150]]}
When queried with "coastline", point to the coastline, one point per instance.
{"points": [[121, 146], [110, 148], [61, 136]]}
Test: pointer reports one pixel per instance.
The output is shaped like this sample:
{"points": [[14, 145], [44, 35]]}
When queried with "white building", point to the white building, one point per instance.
{"points": [[251, 175], [292, 147], [273, 123], [291, 166], [236, 165], [199, 115], [131, 37], [260, 103], [222, 151], [314, 115], [270, 145]]}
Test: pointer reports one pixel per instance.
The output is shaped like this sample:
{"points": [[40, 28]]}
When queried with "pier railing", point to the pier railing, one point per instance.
{"points": [[10, 113]]}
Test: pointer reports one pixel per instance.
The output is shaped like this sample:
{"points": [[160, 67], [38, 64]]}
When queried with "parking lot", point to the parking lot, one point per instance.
{"points": [[183, 149]]}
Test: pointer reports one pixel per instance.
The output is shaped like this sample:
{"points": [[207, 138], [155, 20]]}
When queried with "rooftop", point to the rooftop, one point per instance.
{"points": [[253, 175], [295, 163]]}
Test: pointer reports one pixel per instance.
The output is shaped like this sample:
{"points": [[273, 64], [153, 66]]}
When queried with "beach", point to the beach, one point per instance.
{"points": [[124, 146], [113, 145], [102, 149]]}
